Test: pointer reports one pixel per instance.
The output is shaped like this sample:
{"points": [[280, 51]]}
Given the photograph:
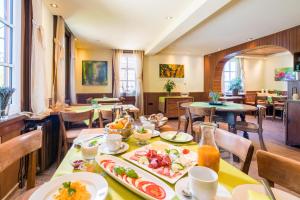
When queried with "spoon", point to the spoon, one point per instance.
{"points": [[186, 193], [175, 135]]}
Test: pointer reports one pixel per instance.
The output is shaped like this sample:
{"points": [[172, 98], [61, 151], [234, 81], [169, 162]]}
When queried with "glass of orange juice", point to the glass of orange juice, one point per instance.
{"points": [[208, 152]]}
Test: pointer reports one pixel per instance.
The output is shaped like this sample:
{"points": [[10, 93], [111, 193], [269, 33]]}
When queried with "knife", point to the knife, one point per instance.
{"points": [[268, 189]]}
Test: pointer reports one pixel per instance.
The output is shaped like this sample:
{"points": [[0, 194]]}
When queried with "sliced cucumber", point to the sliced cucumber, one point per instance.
{"points": [[174, 151], [176, 167]]}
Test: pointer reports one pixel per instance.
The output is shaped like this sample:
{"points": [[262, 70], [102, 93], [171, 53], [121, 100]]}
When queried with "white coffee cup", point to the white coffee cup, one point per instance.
{"points": [[203, 182], [113, 141]]}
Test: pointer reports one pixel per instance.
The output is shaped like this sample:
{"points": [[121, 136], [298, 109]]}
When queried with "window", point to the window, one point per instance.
{"points": [[231, 71], [127, 74], [10, 49]]}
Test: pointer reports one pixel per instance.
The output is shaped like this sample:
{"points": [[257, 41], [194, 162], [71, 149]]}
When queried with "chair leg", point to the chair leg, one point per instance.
{"points": [[179, 123], [261, 141], [186, 126], [274, 114]]}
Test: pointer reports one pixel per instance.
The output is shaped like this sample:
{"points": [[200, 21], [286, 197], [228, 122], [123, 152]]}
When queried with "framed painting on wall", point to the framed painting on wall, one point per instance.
{"points": [[171, 71], [94, 72], [285, 74]]}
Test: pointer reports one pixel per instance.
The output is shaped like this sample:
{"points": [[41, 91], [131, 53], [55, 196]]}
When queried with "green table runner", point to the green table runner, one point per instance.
{"points": [[229, 176], [225, 106]]}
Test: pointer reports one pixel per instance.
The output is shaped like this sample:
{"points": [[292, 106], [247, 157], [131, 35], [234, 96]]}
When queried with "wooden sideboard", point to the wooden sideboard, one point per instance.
{"points": [[9, 178], [292, 125], [168, 105]]}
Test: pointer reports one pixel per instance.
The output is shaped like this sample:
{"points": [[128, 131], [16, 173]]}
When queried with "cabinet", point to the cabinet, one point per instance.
{"points": [[292, 124], [169, 105]]}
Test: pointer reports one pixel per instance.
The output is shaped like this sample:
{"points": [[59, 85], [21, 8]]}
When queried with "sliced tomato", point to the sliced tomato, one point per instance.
{"points": [[105, 164], [111, 167], [155, 191], [185, 151], [142, 183]]}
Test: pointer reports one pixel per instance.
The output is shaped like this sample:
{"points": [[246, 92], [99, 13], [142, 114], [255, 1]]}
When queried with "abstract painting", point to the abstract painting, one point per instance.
{"points": [[285, 74], [171, 71], [94, 72]]}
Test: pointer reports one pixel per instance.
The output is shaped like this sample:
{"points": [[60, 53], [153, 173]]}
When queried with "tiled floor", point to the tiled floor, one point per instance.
{"points": [[273, 135]]}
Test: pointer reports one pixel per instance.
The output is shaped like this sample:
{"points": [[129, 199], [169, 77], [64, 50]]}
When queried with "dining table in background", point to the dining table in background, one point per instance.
{"points": [[229, 176], [107, 100], [234, 99]]}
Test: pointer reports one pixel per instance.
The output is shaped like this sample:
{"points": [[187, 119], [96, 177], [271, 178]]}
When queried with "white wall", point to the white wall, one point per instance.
{"points": [[271, 63], [193, 73], [97, 55], [254, 73]]}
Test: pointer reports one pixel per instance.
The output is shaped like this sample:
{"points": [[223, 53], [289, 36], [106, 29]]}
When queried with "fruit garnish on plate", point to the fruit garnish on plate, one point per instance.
{"points": [[72, 191]]}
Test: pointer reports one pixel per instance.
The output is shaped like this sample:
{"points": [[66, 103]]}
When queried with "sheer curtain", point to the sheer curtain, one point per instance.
{"points": [[139, 95], [240, 64], [38, 76], [116, 62], [59, 62], [72, 71]]}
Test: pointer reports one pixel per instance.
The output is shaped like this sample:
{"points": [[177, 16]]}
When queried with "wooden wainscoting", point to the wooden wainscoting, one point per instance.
{"points": [[151, 99]]}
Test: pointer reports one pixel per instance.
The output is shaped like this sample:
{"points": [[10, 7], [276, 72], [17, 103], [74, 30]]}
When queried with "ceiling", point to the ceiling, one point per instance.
{"points": [[236, 23], [197, 27]]}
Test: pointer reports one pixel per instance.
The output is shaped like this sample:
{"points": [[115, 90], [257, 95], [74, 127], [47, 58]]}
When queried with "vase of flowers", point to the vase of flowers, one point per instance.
{"points": [[5, 96], [169, 86], [214, 96], [235, 86]]}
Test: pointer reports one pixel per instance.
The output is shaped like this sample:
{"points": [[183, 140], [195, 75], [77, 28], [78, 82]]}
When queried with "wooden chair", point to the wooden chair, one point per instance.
{"points": [[202, 112], [278, 169], [18, 147], [67, 136], [183, 116], [250, 99], [261, 100], [278, 105], [253, 127], [105, 116], [237, 145]]}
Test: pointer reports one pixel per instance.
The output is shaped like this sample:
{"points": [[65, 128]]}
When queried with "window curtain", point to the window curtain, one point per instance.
{"points": [[139, 95], [72, 71], [116, 62], [38, 84], [58, 87], [240, 64]]}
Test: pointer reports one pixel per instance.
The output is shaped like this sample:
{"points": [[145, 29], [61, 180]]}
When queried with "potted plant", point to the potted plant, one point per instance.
{"points": [[214, 96], [235, 86], [5, 96], [169, 86]]}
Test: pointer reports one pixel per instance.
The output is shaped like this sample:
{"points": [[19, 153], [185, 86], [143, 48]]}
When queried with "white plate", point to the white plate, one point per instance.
{"points": [[241, 192], [103, 149], [87, 137], [222, 192], [161, 146], [181, 137], [141, 173], [155, 133], [95, 184]]}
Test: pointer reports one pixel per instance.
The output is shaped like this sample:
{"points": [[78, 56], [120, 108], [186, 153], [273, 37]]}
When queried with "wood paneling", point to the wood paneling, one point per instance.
{"points": [[151, 100], [292, 123], [214, 63]]}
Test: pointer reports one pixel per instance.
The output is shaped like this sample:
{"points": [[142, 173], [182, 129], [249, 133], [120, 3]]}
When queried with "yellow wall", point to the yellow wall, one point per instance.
{"points": [[193, 73], [97, 55]]}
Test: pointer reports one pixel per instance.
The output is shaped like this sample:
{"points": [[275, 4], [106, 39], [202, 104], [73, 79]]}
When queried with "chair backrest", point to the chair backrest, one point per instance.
{"points": [[230, 142], [261, 114], [76, 117], [89, 100], [180, 108], [278, 169], [279, 99], [18, 147], [202, 111], [105, 115], [261, 99]]}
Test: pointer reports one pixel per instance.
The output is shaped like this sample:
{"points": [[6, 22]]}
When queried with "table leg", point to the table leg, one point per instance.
{"points": [[243, 118]]}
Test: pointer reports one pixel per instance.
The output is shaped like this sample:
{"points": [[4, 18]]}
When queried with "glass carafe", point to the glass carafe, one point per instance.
{"points": [[208, 152]]}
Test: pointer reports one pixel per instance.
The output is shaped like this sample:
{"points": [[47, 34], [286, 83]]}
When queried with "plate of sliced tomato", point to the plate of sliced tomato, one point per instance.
{"points": [[135, 179]]}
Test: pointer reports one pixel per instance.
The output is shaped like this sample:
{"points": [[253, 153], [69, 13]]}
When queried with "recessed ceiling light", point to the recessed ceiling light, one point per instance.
{"points": [[53, 5], [249, 39], [75, 39], [169, 17]]}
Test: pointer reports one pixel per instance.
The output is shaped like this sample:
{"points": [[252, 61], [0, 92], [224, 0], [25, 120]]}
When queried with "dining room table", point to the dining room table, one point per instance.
{"points": [[228, 175], [107, 100]]}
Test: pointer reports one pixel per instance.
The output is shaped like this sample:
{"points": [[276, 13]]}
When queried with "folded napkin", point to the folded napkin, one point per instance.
{"points": [[252, 195]]}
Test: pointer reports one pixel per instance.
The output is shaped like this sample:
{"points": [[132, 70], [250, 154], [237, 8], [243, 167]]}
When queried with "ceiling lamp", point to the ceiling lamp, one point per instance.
{"points": [[53, 5]]}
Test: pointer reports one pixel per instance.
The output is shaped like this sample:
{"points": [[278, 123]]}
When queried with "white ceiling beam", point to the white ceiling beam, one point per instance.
{"points": [[194, 15]]}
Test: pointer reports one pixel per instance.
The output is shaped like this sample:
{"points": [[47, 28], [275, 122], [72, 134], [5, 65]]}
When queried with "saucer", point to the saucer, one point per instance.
{"points": [[155, 133], [222, 192], [103, 149]]}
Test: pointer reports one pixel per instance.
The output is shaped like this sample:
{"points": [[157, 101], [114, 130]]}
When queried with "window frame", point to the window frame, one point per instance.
{"points": [[127, 69], [237, 72]]}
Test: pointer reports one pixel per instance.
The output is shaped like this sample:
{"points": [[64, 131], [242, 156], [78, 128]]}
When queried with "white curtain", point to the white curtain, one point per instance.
{"points": [[139, 96], [116, 61], [72, 71], [59, 61], [38, 76], [240, 63]]}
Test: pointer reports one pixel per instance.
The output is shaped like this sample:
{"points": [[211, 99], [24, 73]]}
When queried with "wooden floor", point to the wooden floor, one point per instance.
{"points": [[273, 135]]}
